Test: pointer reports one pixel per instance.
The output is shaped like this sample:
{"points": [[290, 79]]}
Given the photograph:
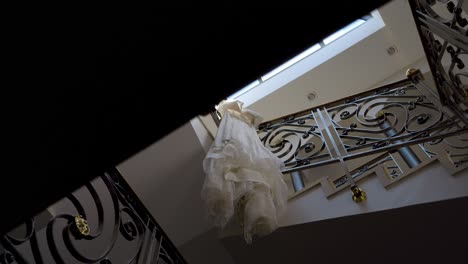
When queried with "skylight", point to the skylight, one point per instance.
{"points": [[245, 89], [343, 31], [313, 49], [292, 61]]}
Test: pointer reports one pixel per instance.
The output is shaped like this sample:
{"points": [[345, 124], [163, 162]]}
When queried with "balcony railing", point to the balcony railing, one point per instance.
{"points": [[102, 222], [390, 131], [444, 37]]}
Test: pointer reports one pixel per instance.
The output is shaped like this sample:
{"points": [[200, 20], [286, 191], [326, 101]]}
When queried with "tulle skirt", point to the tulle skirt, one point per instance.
{"points": [[243, 179]]}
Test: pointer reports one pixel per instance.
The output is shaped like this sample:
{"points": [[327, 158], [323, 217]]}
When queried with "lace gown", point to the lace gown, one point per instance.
{"points": [[243, 178]]}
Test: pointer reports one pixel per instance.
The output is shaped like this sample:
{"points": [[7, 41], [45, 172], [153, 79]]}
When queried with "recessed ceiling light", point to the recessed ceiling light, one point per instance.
{"points": [[311, 96], [392, 50]]}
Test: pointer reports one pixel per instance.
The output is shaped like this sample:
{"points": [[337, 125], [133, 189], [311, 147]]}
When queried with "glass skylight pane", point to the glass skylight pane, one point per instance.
{"points": [[343, 31], [243, 90], [292, 61], [303, 55]]}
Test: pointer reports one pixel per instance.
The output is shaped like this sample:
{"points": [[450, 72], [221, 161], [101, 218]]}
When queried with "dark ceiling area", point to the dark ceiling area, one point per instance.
{"points": [[93, 85]]}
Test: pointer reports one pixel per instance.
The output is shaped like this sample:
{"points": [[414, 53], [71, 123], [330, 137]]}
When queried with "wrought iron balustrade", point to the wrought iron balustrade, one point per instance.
{"points": [[444, 36], [102, 222], [390, 131]]}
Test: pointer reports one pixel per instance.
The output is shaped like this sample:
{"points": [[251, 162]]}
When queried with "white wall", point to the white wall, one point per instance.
{"points": [[431, 183], [205, 137], [168, 176], [209, 124]]}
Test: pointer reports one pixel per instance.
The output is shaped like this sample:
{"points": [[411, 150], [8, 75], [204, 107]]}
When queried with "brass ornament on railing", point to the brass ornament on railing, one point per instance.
{"points": [[359, 195], [82, 225], [414, 73]]}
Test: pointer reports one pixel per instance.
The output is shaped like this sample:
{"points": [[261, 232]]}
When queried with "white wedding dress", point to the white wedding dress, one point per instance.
{"points": [[243, 178]]}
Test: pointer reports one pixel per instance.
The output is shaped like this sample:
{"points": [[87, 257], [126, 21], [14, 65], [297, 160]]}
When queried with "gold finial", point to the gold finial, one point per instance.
{"points": [[82, 225], [414, 74], [278, 141], [359, 195], [380, 114]]}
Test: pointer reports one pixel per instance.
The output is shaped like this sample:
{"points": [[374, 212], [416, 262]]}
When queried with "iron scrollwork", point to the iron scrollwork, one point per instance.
{"points": [[295, 140], [103, 222], [443, 28], [395, 129]]}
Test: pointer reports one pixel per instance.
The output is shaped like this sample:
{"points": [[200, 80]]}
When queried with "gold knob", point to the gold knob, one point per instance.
{"points": [[82, 225], [278, 141], [414, 73], [359, 195], [380, 114]]}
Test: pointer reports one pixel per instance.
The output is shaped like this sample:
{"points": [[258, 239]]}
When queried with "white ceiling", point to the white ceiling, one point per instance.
{"points": [[354, 70]]}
